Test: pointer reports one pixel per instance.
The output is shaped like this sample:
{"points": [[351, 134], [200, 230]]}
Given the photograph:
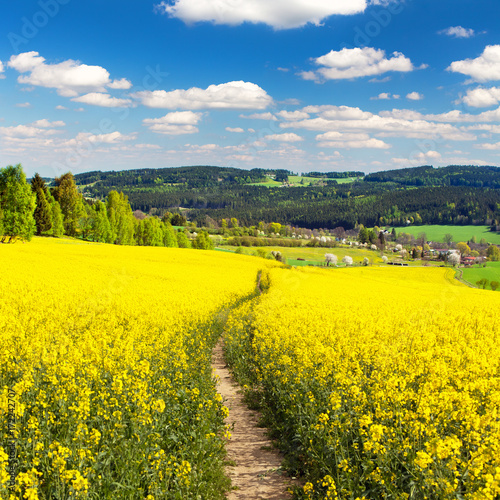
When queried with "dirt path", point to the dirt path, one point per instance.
{"points": [[255, 466]]}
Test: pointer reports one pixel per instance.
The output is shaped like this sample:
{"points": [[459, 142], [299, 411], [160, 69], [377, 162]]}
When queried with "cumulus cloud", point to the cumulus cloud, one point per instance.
{"points": [[358, 62], [122, 84], [398, 123], [26, 131], [111, 138], [2, 69], [103, 100], [23, 105], [44, 123], [414, 96], [489, 147], [175, 123], [484, 68], [70, 78], [236, 130], [482, 98], [293, 115], [457, 32], [287, 137], [280, 14], [340, 140], [385, 96], [231, 95]]}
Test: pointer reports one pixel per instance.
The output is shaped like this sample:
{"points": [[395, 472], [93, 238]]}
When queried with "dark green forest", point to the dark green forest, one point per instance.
{"points": [[423, 195]]}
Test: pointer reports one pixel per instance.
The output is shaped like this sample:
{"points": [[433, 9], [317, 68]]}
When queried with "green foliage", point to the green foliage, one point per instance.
{"points": [[100, 228], [482, 283], [17, 204], [43, 210], [203, 241], [169, 236], [121, 219], [182, 240], [493, 253], [71, 201], [494, 285]]}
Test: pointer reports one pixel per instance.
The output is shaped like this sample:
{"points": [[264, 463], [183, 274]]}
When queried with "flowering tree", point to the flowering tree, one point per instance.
{"points": [[454, 259], [330, 258], [384, 259], [347, 260]]}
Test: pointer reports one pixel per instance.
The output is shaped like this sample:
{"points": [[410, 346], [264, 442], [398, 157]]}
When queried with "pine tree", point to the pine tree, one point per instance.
{"points": [[43, 210]]}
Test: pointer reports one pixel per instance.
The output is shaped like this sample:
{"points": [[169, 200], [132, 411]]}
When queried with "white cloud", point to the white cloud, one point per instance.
{"points": [[122, 84], [293, 115], [61, 107], [484, 68], [236, 130], [482, 98], [359, 62], [2, 69], [340, 140], [111, 138], [103, 100], [26, 131], [385, 96], [231, 95], [260, 116], [23, 105], [70, 78], [398, 123], [489, 147], [46, 124], [175, 123], [287, 137], [414, 96], [457, 32], [280, 14]]}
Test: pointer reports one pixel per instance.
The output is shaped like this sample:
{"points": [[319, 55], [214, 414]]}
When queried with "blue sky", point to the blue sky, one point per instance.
{"points": [[326, 85]]}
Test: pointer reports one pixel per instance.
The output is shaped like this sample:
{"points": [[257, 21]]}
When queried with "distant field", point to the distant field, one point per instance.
{"points": [[316, 255], [460, 233], [297, 180], [491, 272]]}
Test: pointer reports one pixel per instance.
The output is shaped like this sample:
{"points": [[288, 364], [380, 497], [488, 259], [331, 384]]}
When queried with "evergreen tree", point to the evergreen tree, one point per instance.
{"points": [[71, 201], [43, 210], [17, 203]]}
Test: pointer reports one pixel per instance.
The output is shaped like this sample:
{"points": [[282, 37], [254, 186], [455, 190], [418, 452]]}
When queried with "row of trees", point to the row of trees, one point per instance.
{"points": [[29, 208]]}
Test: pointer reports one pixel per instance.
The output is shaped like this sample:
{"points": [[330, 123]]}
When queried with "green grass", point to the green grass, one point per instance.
{"points": [[460, 233], [316, 255], [491, 272], [297, 181]]}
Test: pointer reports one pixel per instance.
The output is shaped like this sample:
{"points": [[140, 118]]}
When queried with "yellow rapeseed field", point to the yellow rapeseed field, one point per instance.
{"points": [[105, 365], [379, 383]]}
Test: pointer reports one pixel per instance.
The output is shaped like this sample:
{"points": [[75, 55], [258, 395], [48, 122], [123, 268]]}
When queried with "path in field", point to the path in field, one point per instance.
{"points": [[254, 467]]}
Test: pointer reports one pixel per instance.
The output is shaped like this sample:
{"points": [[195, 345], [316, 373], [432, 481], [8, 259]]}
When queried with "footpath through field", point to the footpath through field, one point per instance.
{"points": [[254, 465]]}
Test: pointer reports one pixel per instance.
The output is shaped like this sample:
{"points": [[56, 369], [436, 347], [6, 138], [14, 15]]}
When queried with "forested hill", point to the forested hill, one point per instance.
{"points": [[446, 176], [194, 177], [423, 195]]}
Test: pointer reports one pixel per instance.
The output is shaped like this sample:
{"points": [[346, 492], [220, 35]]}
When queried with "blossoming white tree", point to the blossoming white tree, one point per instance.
{"points": [[347, 260], [330, 258]]}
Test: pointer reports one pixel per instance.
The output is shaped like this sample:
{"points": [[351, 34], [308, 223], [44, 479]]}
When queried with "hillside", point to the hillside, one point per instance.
{"points": [[425, 195]]}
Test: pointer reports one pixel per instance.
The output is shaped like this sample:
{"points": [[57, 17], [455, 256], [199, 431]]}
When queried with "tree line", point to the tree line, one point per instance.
{"points": [[29, 208]]}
